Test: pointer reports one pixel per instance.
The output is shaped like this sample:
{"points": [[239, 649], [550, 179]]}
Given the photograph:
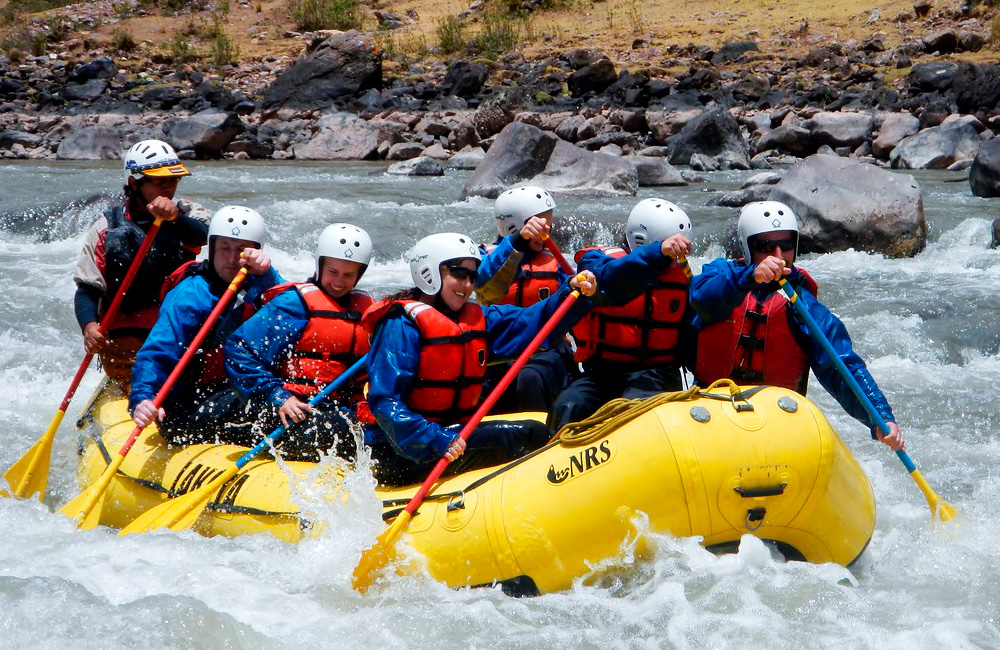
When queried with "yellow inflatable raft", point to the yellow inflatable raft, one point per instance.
{"points": [[718, 465]]}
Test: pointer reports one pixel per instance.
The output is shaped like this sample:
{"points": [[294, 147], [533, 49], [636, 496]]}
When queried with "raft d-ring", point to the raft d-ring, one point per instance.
{"points": [[457, 501], [755, 519], [743, 405]]}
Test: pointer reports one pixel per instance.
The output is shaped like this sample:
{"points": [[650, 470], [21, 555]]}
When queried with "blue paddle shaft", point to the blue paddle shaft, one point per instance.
{"points": [[277, 433], [817, 333]]}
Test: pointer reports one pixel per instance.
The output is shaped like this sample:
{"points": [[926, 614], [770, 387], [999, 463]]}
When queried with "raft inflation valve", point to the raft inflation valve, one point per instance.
{"points": [[700, 414], [788, 405]]}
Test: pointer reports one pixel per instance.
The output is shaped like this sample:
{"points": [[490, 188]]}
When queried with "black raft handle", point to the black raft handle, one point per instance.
{"points": [[769, 491]]}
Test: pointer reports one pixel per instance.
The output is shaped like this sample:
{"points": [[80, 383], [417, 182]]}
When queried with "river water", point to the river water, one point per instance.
{"points": [[926, 326]]}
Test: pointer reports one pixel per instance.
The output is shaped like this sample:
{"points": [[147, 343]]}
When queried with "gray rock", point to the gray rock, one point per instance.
{"points": [[937, 147], [436, 151], [714, 134], [85, 92], [519, 152], [468, 158], [842, 203], [420, 166], [340, 136], [570, 169], [11, 137], [895, 128], [340, 67], [788, 138], [767, 178], [739, 198], [984, 176], [206, 133], [91, 143], [404, 151], [839, 129]]}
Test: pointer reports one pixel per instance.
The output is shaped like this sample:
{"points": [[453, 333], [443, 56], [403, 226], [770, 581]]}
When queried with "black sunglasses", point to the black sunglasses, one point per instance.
{"points": [[460, 272], [768, 246]]}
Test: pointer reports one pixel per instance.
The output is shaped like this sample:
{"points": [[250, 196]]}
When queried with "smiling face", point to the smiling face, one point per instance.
{"points": [[226, 253], [456, 291], [338, 277]]}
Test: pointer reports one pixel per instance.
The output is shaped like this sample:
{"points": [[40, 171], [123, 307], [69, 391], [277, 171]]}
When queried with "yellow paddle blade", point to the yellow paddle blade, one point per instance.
{"points": [[379, 556], [939, 507], [179, 513], [30, 474], [86, 508]]}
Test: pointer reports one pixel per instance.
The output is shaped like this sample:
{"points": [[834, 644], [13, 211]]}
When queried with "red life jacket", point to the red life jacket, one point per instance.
{"points": [[452, 364], [330, 343], [756, 345], [537, 280], [644, 331]]}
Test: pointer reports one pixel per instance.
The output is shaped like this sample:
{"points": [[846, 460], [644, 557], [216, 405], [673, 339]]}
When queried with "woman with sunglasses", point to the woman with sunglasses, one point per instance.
{"points": [[430, 346], [748, 332]]}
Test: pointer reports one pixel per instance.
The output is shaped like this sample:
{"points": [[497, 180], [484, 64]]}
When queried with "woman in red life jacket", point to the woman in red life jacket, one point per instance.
{"points": [[430, 347], [152, 172], [301, 340], [630, 343], [197, 406], [517, 270], [748, 332]]}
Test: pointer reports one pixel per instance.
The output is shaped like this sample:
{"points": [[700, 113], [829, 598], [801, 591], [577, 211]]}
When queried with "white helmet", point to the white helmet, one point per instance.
{"points": [[237, 222], [153, 158], [428, 254], [342, 241], [655, 220], [514, 207], [765, 216]]}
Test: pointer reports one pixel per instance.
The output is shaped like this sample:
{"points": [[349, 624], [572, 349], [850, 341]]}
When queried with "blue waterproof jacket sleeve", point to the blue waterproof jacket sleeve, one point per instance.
{"points": [[498, 270], [254, 351], [622, 280], [181, 315], [722, 286], [509, 329], [392, 366]]}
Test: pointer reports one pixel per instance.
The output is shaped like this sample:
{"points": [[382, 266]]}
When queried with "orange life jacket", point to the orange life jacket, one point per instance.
{"points": [[330, 343], [644, 331], [452, 365], [755, 345], [537, 280]]}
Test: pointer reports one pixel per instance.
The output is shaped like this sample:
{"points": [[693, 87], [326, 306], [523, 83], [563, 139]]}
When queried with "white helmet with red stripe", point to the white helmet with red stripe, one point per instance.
{"points": [[152, 158]]}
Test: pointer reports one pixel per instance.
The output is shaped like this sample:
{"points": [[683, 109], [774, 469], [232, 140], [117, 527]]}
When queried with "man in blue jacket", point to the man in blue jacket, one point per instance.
{"points": [[749, 332], [630, 344], [189, 414]]}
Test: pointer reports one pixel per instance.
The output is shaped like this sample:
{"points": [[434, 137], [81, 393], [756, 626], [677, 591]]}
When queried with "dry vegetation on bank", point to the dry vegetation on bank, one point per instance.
{"points": [[632, 33]]}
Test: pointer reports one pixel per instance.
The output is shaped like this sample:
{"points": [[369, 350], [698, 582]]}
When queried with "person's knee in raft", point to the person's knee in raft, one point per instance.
{"points": [[430, 347], [516, 270], [305, 336], [634, 337], [748, 331], [152, 172], [236, 235]]}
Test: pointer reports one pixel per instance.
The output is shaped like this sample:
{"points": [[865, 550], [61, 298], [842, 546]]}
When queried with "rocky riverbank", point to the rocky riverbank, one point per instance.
{"points": [[595, 126]]}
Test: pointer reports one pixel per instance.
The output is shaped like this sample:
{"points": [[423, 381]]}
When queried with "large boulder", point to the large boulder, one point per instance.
{"points": [[984, 176], [895, 128], [206, 133], [655, 171], [340, 136], [573, 170], [519, 152], [839, 129], [464, 79], [714, 134], [91, 143], [842, 203], [938, 147], [340, 67]]}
